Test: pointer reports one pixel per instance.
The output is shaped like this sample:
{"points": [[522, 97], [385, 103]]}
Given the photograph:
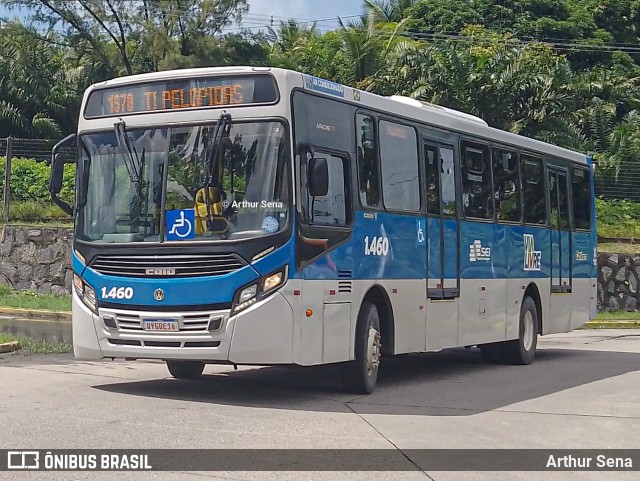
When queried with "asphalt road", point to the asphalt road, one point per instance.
{"points": [[581, 392]]}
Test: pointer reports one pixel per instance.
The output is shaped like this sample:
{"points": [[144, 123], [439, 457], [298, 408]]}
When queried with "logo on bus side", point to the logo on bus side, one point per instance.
{"points": [[532, 257], [479, 253], [581, 256]]}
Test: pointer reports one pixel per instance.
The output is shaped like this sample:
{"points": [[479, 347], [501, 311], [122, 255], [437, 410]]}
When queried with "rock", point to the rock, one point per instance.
{"points": [[60, 291], [621, 275], [613, 258], [631, 303], [606, 272], [614, 304]]}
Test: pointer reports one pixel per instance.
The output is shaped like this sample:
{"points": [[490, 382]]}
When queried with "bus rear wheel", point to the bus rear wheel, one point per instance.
{"points": [[522, 350], [185, 369], [361, 374]]}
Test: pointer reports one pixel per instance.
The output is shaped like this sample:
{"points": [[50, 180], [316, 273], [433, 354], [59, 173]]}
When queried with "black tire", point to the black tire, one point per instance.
{"points": [[519, 351], [361, 374], [185, 369], [516, 352]]}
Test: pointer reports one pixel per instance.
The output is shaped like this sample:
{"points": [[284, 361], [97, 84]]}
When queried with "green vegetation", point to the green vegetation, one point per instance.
{"points": [[618, 219], [30, 346], [618, 316], [563, 72], [32, 300], [30, 182], [618, 248]]}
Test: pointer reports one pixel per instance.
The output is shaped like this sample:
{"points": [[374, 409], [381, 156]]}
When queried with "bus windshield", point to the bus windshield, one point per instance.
{"points": [[239, 190]]}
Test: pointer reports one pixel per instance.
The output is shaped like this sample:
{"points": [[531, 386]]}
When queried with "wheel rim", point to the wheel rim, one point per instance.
{"points": [[527, 336], [373, 350]]}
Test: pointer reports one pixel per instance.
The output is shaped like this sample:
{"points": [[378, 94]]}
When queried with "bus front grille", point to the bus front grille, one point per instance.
{"points": [[167, 265]]}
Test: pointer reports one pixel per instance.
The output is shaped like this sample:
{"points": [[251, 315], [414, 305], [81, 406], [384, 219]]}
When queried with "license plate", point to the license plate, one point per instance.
{"points": [[168, 325]]}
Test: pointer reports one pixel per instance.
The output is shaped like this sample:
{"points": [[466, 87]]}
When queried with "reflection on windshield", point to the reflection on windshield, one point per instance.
{"points": [[248, 195]]}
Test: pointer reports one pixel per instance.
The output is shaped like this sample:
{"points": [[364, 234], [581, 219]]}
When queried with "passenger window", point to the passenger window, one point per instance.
{"points": [[477, 199], [433, 179], [581, 193], [563, 190], [448, 181], [368, 172], [330, 209], [533, 192], [506, 185], [399, 158]]}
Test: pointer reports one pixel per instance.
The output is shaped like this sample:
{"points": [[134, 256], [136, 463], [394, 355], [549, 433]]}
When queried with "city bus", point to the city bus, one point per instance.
{"points": [[261, 216]]}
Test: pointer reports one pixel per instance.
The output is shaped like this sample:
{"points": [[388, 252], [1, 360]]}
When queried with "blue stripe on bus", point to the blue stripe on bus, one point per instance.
{"points": [[516, 251]]}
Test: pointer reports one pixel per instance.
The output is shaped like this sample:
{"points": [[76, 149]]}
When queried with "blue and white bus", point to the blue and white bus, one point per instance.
{"points": [[262, 216]]}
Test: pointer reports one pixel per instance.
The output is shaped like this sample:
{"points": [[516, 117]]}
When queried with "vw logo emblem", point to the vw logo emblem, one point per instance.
{"points": [[158, 295]]}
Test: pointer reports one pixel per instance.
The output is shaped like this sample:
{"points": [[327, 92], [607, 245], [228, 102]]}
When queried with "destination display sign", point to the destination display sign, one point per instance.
{"points": [[180, 94]]}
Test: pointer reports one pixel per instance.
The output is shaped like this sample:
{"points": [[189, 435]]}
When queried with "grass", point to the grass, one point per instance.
{"points": [[30, 346], [33, 300], [618, 316], [618, 248]]}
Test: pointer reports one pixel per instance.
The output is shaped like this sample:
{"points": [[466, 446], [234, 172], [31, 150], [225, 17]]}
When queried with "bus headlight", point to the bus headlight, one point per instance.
{"points": [[86, 293], [246, 296], [272, 281], [248, 293]]}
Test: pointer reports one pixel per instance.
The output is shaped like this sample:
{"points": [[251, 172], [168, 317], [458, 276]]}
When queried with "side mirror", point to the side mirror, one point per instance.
{"points": [[318, 177], [57, 171]]}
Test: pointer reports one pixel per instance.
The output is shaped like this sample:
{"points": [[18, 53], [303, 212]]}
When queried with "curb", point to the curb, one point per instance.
{"points": [[9, 347], [16, 311], [611, 325]]}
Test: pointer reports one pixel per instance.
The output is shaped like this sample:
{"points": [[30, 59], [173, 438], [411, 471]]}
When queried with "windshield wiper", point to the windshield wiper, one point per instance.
{"points": [[131, 160], [211, 179]]}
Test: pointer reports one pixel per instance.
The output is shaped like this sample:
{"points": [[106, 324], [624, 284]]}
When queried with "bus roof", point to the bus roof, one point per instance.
{"points": [[408, 108]]}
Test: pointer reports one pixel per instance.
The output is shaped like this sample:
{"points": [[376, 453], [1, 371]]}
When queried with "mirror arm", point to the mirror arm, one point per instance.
{"points": [[66, 208]]}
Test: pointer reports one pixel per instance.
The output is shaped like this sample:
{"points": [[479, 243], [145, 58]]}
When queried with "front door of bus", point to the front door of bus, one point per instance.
{"points": [[443, 270], [560, 243]]}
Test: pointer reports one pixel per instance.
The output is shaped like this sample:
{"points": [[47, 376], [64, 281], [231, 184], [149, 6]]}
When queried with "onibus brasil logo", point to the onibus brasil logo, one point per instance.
{"points": [[532, 257]]}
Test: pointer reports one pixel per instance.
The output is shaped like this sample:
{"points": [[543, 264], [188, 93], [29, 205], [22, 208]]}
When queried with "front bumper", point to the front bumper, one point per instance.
{"points": [[262, 334]]}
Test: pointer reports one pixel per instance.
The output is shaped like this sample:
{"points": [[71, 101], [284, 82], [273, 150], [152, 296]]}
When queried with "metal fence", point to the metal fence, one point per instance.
{"points": [[27, 179]]}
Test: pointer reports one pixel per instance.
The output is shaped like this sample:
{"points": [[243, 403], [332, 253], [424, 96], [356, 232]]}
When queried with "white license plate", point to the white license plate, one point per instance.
{"points": [[164, 325]]}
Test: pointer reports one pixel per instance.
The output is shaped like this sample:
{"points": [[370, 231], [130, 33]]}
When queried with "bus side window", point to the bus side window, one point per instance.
{"points": [[433, 179], [330, 209], [506, 185], [533, 190], [368, 170], [399, 158], [581, 194], [477, 199]]}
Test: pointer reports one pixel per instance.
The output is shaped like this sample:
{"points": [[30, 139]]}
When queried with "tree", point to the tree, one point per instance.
{"points": [[132, 36], [37, 93]]}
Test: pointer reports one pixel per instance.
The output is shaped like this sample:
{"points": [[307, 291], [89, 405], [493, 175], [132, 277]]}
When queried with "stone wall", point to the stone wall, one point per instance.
{"points": [[618, 282], [36, 258]]}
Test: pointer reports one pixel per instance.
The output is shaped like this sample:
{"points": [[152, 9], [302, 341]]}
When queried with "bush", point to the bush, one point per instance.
{"points": [[618, 218], [30, 181]]}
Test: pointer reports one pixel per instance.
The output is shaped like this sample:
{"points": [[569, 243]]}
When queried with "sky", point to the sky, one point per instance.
{"points": [[326, 10], [260, 11]]}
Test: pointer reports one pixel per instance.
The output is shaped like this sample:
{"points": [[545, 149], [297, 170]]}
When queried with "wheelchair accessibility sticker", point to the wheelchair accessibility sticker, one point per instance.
{"points": [[180, 224]]}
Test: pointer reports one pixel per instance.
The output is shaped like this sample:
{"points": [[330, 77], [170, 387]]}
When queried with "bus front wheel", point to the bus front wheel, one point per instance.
{"points": [[523, 349], [361, 374], [185, 369]]}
